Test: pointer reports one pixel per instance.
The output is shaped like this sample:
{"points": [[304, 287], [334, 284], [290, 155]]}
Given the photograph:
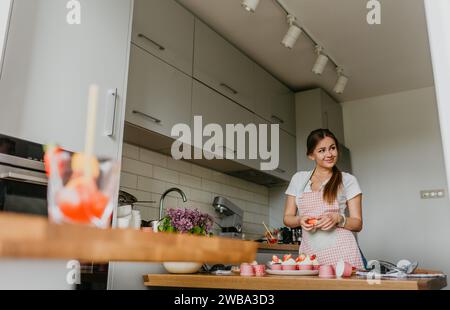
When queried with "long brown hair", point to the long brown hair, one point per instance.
{"points": [[333, 185]]}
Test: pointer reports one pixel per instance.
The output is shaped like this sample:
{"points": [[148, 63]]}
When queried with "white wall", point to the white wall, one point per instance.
{"points": [[396, 152]]}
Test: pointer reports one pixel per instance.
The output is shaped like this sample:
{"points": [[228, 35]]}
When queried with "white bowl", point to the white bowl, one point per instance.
{"points": [[182, 267]]}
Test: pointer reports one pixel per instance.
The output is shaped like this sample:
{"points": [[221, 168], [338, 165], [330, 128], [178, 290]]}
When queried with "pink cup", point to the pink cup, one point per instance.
{"points": [[305, 267], [288, 267], [276, 267], [260, 270], [247, 270], [326, 271], [343, 269]]}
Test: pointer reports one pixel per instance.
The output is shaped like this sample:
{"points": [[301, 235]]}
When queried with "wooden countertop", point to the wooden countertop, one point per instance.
{"points": [[279, 247], [271, 282], [34, 237]]}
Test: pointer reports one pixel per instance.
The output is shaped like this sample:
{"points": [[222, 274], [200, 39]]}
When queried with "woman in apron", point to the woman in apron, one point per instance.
{"points": [[321, 198]]}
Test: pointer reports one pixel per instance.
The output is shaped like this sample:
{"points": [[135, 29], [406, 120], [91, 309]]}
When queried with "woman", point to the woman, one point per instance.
{"points": [[321, 197]]}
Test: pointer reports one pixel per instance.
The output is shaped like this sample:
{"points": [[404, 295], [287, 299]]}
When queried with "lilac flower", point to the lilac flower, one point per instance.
{"points": [[188, 221]]}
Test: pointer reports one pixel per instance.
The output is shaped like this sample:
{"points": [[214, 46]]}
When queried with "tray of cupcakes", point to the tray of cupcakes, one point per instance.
{"points": [[303, 265]]}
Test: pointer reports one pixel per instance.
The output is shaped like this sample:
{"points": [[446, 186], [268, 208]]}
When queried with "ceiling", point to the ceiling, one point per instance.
{"points": [[379, 59]]}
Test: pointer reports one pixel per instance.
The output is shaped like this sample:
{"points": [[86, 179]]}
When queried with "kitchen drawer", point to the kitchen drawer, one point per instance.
{"points": [[165, 29], [159, 96], [216, 108], [223, 67], [274, 101]]}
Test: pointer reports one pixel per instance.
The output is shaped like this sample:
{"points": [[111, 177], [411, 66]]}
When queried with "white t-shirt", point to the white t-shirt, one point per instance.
{"points": [[350, 189]]}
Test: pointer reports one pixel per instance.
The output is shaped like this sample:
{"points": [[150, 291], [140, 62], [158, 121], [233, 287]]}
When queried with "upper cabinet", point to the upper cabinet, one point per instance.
{"points": [[5, 10], [166, 30], [223, 67], [274, 101], [49, 65], [316, 109], [159, 95]]}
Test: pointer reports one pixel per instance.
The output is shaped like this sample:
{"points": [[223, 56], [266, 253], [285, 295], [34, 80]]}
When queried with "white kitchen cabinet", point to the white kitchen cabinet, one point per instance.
{"points": [[217, 109], [223, 67], [5, 13], [165, 29], [274, 101], [159, 95], [315, 109], [49, 65], [287, 165]]}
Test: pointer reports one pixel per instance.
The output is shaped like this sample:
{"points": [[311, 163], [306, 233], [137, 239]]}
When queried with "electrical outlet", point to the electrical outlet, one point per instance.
{"points": [[432, 194]]}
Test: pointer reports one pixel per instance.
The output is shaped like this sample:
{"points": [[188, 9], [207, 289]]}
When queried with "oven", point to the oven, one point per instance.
{"points": [[23, 182]]}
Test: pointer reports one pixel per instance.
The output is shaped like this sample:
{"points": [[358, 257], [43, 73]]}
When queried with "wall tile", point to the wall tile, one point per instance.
{"points": [[164, 174], [201, 172], [152, 157], [151, 185], [130, 151], [137, 167], [128, 180], [190, 181], [179, 165]]}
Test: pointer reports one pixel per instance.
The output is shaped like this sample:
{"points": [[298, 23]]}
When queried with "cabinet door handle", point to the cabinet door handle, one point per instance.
{"points": [[229, 88], [22, 178], [154, 119], [110, 113], [280, 170], [159, 46], [277, 119]]}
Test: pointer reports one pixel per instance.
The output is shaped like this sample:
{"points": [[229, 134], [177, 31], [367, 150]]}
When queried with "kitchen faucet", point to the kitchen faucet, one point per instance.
{"points": [[161, 201]]}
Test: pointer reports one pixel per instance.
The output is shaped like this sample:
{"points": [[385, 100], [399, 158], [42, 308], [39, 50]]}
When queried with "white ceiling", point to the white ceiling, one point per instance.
{"points": [[380, 59]]}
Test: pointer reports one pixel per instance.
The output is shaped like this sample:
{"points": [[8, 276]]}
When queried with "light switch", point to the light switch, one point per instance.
{"points": [[435, 193]]}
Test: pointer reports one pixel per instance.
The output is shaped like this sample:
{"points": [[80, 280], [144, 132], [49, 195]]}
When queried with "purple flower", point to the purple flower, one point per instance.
{"points": [[190, 221]]}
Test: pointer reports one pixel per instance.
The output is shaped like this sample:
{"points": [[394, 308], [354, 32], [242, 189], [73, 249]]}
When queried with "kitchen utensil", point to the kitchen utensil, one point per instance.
{"points": [[128, 199], [268, 231]]}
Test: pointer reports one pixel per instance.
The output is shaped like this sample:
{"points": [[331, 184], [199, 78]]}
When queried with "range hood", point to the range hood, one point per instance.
{"points": [[162, 144]]}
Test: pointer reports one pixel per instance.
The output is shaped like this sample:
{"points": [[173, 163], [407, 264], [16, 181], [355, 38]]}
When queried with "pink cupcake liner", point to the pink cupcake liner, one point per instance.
{"points": [[288, 267], [305, 267], [276, 267]]}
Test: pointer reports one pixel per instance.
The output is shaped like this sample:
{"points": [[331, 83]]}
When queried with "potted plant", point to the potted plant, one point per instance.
{"points": [[186, 221]]}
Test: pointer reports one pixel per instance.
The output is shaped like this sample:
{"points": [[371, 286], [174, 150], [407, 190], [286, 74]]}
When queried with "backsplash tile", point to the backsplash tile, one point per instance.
{"points": [[147, 174]]}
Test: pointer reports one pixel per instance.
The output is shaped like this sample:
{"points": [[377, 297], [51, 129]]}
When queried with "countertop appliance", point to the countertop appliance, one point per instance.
{"points": [[23, 183], [231, 217]]}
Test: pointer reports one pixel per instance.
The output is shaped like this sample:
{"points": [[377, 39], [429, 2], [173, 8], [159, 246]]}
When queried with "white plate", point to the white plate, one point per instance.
{"points": [[293, 272]]}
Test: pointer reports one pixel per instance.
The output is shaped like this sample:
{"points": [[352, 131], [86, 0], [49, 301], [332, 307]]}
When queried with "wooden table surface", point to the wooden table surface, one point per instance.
{"points": [[34, 237], [272, 282]]}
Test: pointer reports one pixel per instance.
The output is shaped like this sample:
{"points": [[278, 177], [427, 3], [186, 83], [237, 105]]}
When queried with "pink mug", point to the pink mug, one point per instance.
{"points": [[326, 271], [343, 269]]}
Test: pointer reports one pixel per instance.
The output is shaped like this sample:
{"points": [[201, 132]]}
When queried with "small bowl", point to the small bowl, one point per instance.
{"points": [[327, 271], [182, 267]]}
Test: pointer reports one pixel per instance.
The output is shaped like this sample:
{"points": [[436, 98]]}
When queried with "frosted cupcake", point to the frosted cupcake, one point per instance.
{"points": [[275, 263], [315, 262], [304, 263], [288, 263]]}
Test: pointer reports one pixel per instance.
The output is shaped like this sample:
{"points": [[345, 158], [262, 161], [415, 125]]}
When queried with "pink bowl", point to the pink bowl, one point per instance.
{"points": [[326, 271], [288, 267], [247, 270], [343, 269], [276, 267], [305, 267]]}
